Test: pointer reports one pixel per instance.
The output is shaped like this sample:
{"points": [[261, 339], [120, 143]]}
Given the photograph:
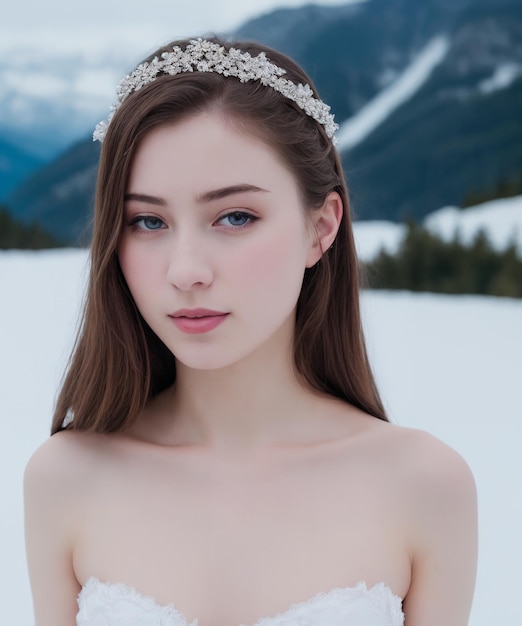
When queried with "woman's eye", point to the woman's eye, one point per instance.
{"points": [[147, 222], [237, 219]]}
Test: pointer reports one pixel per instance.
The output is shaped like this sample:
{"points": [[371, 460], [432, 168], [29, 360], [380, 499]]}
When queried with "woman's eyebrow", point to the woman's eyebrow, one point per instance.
{"points": [[224, 192], [208, 196], [141, 197]]}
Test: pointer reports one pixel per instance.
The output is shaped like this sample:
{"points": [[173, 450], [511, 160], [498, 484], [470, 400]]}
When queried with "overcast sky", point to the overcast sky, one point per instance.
{"points": [[79, 24]]}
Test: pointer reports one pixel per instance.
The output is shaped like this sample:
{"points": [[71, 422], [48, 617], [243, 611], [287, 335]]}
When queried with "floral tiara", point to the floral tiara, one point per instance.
{"points": [[206, 56]]}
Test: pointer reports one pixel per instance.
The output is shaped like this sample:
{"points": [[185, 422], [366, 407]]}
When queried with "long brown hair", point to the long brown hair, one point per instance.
{"points": [[118, 363]]}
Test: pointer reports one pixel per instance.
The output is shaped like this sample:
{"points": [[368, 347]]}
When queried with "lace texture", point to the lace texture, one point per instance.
{"points": [[108, 604]]}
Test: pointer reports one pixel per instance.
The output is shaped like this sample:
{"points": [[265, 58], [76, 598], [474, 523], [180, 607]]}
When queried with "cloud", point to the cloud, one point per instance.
{"points": [[61, 25]]}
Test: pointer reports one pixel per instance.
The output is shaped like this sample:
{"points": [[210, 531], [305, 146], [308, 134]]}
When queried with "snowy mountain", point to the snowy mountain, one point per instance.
{"points": [[501, 220], [428, 96], [460, 133]]}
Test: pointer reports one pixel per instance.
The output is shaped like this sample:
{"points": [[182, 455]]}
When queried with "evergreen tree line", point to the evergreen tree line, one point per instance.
{"points": [[14, 234], [425, 262], [505, 188]]}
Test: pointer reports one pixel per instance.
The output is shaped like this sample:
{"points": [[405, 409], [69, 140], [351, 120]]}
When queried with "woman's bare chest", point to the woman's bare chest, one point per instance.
{"points": [[264, 535]]}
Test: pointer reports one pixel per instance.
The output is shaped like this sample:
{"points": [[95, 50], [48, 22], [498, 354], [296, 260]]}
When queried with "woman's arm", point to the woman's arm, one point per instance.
{"points": [[50, 493], [444, 537]]}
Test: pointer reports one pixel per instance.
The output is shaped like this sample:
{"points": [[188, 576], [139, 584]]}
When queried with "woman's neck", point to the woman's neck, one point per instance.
{"points": [[252, 403]]}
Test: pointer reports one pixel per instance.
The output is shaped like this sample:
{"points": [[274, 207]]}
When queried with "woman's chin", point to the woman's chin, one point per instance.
{"points": [[208, 362]]}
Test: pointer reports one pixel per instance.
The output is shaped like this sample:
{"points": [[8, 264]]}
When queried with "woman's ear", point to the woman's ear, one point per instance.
{"points": [[325, 225]]}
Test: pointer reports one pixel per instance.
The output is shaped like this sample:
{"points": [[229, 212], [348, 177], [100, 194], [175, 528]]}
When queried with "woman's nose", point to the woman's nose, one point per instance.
{"points": [[189, 264]]}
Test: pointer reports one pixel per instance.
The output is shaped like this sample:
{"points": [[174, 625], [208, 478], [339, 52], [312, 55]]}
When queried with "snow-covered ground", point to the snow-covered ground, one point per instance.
{"points": [[449, 365]]}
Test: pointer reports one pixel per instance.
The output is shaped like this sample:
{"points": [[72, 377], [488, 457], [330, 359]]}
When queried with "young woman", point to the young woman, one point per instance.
{"points": [[220, 454]]}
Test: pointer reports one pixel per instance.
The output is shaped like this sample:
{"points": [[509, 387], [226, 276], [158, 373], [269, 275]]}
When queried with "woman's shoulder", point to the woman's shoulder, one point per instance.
{"points": [[57, 484], [432, 479], [65, 446], [417, 456], [64, 461], [410, 455], [414, 463], [423, 455]]}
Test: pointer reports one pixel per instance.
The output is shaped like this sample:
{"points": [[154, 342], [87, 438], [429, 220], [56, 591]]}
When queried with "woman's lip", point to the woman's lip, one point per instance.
{"points": [[198, 324], [194, 313]]}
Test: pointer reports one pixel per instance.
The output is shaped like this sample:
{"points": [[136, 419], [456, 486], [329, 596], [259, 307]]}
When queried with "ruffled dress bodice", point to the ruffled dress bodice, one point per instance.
{"points": [[105, 604]]}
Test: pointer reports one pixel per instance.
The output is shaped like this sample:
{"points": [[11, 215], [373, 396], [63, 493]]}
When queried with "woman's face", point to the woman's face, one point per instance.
{"points": [[215, 242]]}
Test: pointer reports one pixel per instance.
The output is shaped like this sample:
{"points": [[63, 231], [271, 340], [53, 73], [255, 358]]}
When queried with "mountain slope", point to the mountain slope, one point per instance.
{"points": [[458, 132], [60, 195], [454, 136], [15, 165], [352, 52], [354, 130]]}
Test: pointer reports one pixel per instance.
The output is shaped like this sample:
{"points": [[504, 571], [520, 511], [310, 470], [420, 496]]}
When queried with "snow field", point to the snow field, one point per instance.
{"points": [[446, 364]]}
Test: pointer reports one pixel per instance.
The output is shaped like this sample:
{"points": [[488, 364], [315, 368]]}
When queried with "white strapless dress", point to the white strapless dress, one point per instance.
{"points": [[106, 604]]}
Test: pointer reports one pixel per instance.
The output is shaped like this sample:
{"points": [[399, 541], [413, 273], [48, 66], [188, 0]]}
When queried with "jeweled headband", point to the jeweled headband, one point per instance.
{"points": [[206, 56]]}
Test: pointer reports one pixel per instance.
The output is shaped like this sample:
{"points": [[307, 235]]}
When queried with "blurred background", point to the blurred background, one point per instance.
{"points": [[428, 95]]}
